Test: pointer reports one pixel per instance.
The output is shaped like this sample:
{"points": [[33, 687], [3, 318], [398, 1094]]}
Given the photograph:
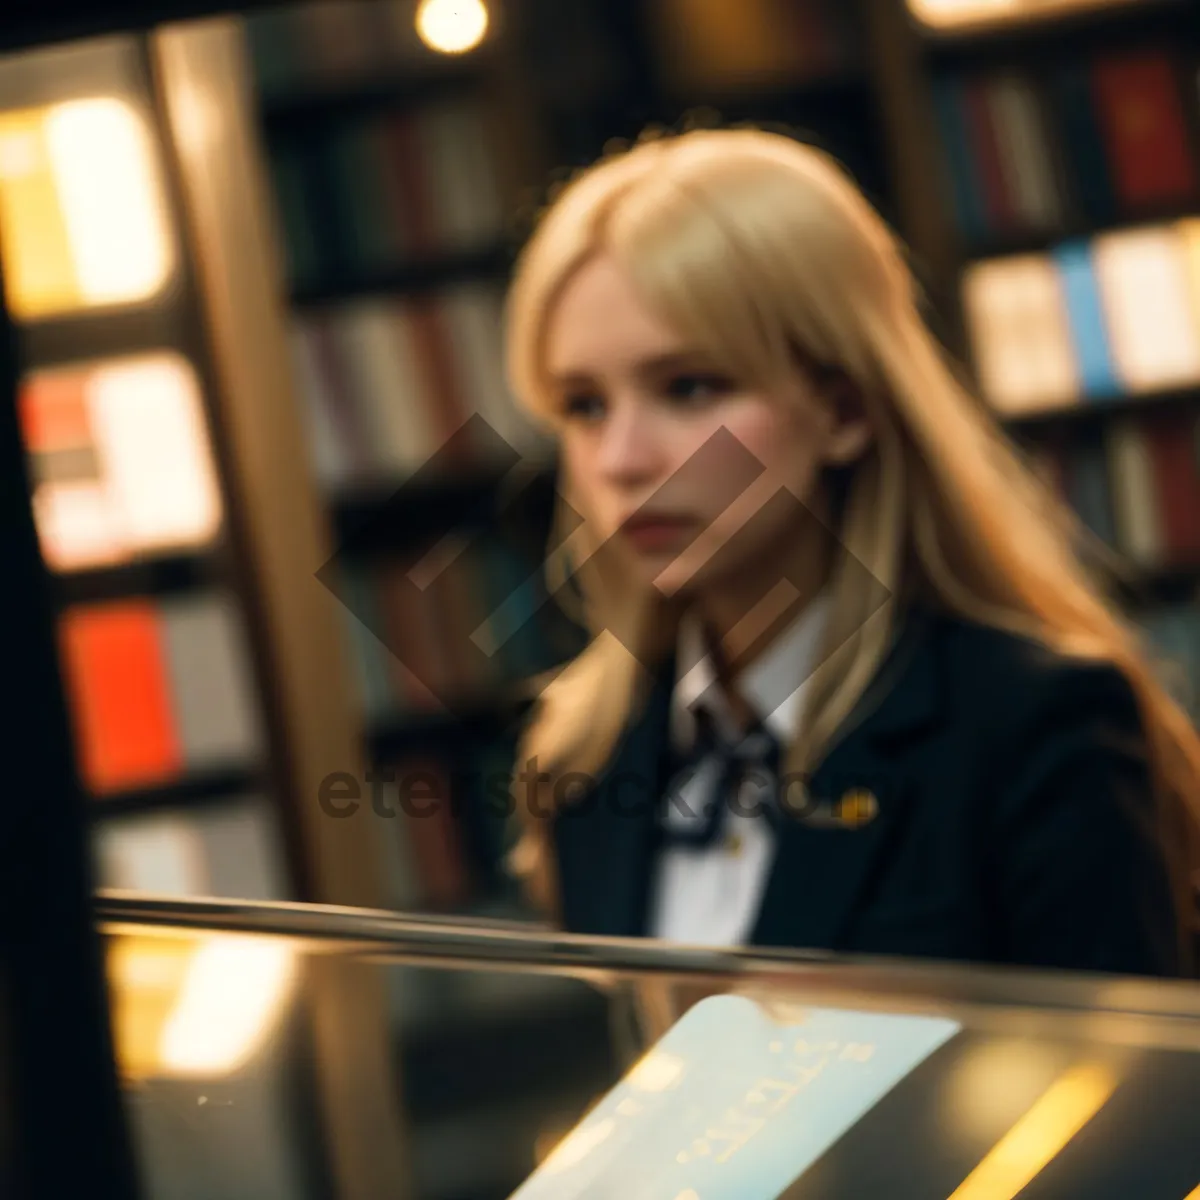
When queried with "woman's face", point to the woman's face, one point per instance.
{"points": [[673, 457]]}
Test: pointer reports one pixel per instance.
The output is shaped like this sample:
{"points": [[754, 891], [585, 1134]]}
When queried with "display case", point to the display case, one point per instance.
{"points": [[687, 1073]]}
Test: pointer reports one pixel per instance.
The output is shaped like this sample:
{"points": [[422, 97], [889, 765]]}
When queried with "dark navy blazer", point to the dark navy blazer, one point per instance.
{"points": [[1014, 819]]}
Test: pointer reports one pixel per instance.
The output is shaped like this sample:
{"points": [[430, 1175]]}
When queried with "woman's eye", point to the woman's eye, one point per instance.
{"points": [[697, 388], [583, 407]]}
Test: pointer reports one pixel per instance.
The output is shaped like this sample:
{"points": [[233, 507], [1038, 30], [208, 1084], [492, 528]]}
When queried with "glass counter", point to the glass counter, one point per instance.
{"points": [[291, 1052]]}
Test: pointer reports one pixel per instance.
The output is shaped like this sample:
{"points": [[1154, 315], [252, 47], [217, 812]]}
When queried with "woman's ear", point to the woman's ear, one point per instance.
{"points": [[849, 430]]}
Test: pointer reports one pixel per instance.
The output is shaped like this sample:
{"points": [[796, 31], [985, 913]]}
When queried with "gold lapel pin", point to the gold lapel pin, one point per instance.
{"points": [[856, 808]]}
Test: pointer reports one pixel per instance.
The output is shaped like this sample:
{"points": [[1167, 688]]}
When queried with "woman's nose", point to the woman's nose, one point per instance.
{"points": [[630, 447]]}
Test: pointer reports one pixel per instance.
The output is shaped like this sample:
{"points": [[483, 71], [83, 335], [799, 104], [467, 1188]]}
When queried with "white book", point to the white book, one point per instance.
{"points": [[474, 315], [1013, 143], [390, 389], [1135, 508], [460, 174], [244, 851], [212, 684], [76, 525], [1019, 327], [1142, 276], [153, 444], [332, 461], [160, 854], [1024, 136]]}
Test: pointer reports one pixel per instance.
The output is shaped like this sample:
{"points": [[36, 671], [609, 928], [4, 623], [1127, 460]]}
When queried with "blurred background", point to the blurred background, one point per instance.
{"points": [[253, 268]]}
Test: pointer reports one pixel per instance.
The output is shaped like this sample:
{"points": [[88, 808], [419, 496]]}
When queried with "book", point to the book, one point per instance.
{"points": [[83, 211], [1081, 143], [156, 688], [228, 850], [1140, 109], [121, 460], [119, 695], [1149, 312], [1020, 328], [212, 685]]}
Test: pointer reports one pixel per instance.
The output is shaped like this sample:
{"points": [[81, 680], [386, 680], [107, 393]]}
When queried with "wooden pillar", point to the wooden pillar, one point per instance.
{"points": [[901, 83], [204, 89]]}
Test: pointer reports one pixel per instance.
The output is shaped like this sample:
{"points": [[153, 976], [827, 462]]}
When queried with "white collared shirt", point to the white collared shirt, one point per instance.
{"points": [[711, 895]]}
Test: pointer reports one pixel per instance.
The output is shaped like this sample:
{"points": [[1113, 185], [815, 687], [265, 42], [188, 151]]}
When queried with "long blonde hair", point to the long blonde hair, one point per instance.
{"points": [[756, 247]]}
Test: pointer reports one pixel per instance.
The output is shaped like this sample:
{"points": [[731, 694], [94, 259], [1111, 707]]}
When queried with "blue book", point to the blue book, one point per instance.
{"points": [[736, 1102], [1089, 333], [950, 111]]}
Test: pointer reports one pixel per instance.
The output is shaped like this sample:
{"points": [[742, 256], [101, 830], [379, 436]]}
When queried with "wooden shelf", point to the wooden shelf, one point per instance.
{"points": [[1096, 412], [400, 518], [200, 789], [406, 733], [1051, 35], [1167, 585], [296, 114], [1034, 241], [493, 262], [165, 576], [836, 87]]}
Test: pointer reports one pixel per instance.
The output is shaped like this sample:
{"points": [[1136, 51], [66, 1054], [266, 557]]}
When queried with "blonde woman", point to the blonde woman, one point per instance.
{"points": [[848, 687]]}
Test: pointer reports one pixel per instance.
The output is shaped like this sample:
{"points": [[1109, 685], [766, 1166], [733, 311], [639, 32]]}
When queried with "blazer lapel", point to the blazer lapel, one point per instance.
{"points": [[607, 838], [855, 805]]}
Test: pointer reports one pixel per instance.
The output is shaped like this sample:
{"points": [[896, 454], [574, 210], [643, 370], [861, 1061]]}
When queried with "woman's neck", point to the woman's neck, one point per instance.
{"points": [[743, 617]]}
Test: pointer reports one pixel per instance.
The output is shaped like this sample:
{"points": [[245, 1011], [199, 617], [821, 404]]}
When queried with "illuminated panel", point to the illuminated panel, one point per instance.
{"points": [[1020, 332], [1152, 323], [121, 461], [963, 14], [83, 218], [205, 1007]]}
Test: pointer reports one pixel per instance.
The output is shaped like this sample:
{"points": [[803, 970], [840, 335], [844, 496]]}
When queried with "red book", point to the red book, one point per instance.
{"points": [[1172, 447], [1001, 208], [119, 690], [54, 412], [1141, 117], [407, 182], [436, 353]]}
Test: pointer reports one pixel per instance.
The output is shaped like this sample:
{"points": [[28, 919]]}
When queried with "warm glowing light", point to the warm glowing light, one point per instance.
{"points": [[1061, 1112], [122, 460], [83, 219], [185, 1007], [1145, 289], [153, 443], [656, 1072], [230, 998], [995, 1081], [573, 1149], [1019, 326], [452, 26], [950, 14]]}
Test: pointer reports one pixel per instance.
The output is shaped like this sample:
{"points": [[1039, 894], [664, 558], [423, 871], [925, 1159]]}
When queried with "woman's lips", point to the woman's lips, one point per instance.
{"points": [[650, 533]]}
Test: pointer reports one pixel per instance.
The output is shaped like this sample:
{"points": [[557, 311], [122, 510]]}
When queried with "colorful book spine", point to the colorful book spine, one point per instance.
{"points": [[157, 689], [1116, 315], [388, 383], [1085, 143], [364, 196]]}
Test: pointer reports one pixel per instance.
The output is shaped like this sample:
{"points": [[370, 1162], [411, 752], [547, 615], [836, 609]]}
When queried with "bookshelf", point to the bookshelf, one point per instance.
{"points": [[395, 174], [397, 182], [129, 487], [1068, 179]]}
